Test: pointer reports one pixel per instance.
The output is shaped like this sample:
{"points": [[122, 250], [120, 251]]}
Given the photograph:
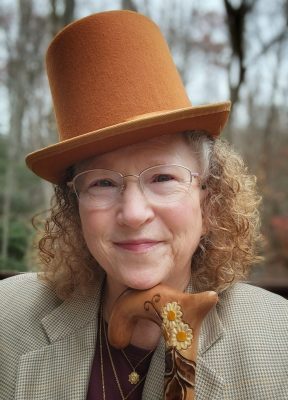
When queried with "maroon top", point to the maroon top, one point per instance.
{"points": [[123, 369]]}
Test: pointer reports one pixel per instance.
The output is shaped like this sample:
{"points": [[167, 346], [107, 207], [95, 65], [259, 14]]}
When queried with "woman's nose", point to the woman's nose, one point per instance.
{"points": [[134, 209]]}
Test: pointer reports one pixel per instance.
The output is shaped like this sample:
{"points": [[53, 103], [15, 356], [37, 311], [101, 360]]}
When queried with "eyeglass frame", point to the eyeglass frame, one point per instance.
{"points": [[71, 183]]}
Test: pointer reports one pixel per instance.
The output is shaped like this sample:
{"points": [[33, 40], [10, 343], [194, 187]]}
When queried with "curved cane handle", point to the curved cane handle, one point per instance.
{"points": [[180, 316]]}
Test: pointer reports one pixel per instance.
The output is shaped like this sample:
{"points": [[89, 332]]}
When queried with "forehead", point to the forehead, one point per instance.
{"points": [[168, 149]]}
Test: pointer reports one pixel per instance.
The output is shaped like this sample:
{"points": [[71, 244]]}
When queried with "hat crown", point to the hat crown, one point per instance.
{"points": [[114, 83], [109, 68]]}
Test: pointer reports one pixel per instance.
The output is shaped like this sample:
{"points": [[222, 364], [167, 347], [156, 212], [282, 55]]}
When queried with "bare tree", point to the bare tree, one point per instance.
{"points": [[59, 19], [236, 20], [16, 77], [129, 5], [24, 70]]}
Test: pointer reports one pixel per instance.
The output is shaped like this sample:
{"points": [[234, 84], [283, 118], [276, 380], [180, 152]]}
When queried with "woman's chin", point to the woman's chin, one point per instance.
{"points": [[143, 284]]}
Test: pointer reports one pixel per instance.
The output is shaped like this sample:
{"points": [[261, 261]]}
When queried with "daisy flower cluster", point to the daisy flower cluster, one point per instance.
{"points": [[177, 333]]}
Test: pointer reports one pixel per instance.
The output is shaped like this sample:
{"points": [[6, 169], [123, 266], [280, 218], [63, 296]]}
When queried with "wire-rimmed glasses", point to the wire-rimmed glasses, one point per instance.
{"points": [[100, 188]]}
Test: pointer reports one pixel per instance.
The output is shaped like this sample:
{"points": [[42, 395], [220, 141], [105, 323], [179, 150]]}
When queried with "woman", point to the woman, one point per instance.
{"points": [[145, 194]]}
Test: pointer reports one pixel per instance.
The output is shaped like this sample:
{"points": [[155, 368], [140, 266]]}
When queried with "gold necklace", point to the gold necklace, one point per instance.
{"points": [[112, 364], [134, 377]]}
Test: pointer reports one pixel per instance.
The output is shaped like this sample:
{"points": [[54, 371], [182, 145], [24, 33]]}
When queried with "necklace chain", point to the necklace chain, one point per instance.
{"points": [[134, 376], [102, 322]]}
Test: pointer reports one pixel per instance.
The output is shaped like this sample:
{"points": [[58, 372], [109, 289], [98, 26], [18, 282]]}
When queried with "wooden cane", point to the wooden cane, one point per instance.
{"points": [[179, 316]]}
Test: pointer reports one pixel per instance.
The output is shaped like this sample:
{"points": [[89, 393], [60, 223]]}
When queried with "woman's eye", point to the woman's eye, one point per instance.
{"points": [[102, 183], [163, 178]]}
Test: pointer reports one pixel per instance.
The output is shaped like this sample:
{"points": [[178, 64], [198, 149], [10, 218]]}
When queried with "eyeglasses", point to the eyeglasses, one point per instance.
{"points": [[100, 188]]}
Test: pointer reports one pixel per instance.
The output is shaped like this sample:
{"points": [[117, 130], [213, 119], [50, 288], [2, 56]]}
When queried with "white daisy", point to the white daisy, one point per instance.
{"points": [[171, 314], [181, 336]]}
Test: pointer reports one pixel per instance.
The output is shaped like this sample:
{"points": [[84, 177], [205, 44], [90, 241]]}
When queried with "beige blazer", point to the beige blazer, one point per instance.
{"points": [[47, 346]]}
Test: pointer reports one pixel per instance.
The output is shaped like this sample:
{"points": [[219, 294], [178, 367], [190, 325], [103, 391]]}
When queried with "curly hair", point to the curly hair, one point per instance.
{"points": [[230, 212], [225, 253]]}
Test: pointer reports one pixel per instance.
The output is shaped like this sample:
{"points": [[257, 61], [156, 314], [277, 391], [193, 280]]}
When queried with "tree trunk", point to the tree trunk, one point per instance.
{"points": [[17, 100], [128, 5], [236, 21]]}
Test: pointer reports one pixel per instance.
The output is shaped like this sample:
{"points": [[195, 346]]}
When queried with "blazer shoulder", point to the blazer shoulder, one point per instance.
{"points": [[24, 296], [251, 306], [245, 292]]}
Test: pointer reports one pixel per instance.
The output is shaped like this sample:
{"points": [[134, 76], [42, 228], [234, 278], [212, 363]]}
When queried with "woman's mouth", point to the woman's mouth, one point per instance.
{"points": [[137, 246]]}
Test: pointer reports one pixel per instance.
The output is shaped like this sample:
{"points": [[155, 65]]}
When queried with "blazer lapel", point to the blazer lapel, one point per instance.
{"points": [[61, 369], [209, 382]]}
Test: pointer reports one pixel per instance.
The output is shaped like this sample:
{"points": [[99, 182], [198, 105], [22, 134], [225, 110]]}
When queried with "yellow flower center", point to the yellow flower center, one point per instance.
{"points": [[181, 336], [171, 315]]}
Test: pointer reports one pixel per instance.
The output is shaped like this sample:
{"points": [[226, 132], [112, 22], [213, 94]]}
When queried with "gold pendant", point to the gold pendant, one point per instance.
{"points": [[134, 378]]}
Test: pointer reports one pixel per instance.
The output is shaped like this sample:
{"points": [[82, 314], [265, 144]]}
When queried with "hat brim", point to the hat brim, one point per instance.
{"points": [[51, 163]]}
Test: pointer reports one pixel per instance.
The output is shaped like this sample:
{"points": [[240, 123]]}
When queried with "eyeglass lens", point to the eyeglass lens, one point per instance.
{"points": [[161, 183]]}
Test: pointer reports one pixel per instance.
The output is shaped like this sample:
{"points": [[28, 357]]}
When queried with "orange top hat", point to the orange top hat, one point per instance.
{"points": [[114, 83]]}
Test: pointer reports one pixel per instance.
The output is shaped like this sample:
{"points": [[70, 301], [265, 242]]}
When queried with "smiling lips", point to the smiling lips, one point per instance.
{"points": [[137, 245]]}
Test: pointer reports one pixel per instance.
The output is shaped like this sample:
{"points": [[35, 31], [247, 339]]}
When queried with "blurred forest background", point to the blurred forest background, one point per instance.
{"points": [[235, 49]]}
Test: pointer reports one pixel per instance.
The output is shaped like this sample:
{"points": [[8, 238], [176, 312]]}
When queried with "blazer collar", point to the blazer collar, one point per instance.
{"points": [[209, 382], [211, 331], [212, 328], [72, 314], [61, 368]]}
